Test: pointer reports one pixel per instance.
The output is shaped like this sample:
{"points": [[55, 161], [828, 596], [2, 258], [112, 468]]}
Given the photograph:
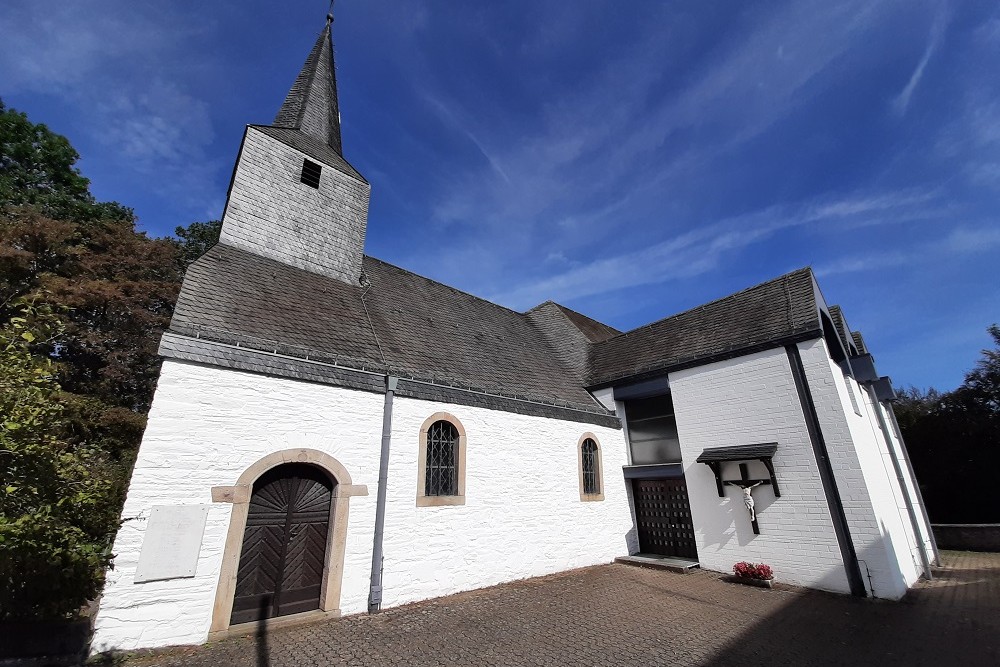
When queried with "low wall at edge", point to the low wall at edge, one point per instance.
{"points": [[967, 536]]}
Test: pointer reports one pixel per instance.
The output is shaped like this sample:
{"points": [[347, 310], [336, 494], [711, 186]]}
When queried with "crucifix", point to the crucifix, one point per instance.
{"points": [[748, 485]]}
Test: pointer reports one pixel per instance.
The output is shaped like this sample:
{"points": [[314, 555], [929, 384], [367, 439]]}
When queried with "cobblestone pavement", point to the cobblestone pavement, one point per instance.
{"points": [[622, 615]]}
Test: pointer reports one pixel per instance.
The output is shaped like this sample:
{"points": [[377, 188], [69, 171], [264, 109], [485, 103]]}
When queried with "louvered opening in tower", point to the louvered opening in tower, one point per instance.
{"points": [[310, 173]]}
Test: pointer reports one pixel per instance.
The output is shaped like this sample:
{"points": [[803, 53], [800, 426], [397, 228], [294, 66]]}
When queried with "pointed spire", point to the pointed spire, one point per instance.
{"points": [[311, 105]]}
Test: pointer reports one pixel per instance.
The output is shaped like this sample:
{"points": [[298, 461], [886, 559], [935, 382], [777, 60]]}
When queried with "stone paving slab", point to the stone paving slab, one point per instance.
{"points": [[622, 615]]}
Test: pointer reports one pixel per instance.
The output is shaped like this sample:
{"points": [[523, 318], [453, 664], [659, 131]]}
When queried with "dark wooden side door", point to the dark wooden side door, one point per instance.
{"points": [[663, 517], [284, 546]]}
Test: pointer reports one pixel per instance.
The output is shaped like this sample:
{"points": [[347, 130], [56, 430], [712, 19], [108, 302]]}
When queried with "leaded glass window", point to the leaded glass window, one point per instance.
{"points": [[591, 485], [441, 472]]}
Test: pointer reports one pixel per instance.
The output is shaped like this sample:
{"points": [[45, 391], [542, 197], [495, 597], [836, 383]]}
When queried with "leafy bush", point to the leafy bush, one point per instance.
{"points": [[58, 496], [746, 570]]}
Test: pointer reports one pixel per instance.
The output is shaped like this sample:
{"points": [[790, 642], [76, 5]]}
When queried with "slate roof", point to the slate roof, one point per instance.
{"points": [[859, 341], [738, 452], [569, 334], [783, 308], [594, 331], [312, 147], [840, 322], [312, 105], [425, 329]]}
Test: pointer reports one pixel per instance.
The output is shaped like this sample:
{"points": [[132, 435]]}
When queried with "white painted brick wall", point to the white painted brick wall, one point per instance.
{"points": [[868, 500], [744, 401], [883, 484], [272, 214], [522, 516], [896, 450]]}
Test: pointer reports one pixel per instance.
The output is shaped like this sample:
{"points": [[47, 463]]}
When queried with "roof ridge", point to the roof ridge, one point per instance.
{"points": [[567, 309]]}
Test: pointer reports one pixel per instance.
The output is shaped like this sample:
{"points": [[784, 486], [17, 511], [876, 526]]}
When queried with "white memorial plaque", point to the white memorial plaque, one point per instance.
{"points": [[172, 542]]}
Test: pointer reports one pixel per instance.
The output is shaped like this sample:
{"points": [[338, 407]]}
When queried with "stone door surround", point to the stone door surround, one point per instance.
{"points": [[239, 496]]}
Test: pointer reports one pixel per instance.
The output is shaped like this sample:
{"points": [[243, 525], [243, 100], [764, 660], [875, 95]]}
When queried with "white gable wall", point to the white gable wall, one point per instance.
{"points": [[890, 499], [749, 400], [896, 450], [522, 517], [879, 538]]}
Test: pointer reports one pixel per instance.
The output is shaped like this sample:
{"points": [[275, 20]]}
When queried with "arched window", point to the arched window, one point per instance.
{"points": [[441, 473], [591, 479], [441, 462]]}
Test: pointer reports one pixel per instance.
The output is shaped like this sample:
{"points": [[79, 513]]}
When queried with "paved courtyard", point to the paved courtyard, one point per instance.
{"points": [[622, 615]]}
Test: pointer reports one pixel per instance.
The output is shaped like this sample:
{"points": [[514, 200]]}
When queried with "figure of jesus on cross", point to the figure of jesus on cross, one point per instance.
{"points": [[748, 485], [747, 498]]}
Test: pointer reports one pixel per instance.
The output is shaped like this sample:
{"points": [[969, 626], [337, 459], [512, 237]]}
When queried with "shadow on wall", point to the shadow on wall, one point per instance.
{"points": [[727, 517], [953, 620], [733, 519], [881, 556], [263, 651]]}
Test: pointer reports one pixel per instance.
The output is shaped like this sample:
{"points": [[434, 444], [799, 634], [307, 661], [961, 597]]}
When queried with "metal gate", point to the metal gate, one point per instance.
{"points": [[284, 546], [663, 517]]}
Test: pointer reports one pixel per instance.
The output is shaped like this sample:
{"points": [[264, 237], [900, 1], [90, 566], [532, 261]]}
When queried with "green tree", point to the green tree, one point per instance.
{"points": [[954, 442], [981, 389], [196, 239], [58, 495], [37, 168], [103, 292]]}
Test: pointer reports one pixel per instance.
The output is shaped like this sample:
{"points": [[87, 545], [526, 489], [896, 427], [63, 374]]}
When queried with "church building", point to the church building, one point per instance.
{"points": [[332, 434]]}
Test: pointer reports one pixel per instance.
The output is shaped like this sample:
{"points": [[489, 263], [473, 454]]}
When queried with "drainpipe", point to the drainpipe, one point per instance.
{"points": [[916, 486], [375, 593], [899, 478]]}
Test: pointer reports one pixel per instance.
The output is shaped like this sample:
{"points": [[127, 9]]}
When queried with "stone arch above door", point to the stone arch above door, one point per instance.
{"points": [[239, 496]]}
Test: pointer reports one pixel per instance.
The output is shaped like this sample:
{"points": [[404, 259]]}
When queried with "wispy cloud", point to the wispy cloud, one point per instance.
{"points": [[701, 250], [609, 148], [153, 124], [958, 242], [902, 101], [449, 116]]}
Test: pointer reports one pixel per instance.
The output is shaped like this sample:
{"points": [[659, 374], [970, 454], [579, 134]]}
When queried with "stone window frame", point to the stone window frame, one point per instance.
{"points": [[423, 500], [333, 569], [590, 497]]}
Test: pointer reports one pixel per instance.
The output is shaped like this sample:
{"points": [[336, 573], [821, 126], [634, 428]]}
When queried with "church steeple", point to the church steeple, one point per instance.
{"points": [[293, 197], [311, 105]]}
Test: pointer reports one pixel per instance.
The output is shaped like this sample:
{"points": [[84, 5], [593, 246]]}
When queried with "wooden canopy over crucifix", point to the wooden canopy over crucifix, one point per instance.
{"points": [[716, 456]]}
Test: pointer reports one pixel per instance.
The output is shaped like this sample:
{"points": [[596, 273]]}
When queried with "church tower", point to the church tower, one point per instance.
{"points": [[293, 197]]}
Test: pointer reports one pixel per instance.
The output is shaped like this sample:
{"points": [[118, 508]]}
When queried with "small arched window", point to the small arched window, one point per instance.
{"points": [[441, 473], [591, 479], [441, 462], [591, 484]]}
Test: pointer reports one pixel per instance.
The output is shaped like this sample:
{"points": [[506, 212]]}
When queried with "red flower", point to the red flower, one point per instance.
{"points": [[753, 571]]}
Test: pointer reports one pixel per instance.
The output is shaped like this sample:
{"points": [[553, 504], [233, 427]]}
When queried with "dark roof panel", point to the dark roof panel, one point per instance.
{"points": [[738, 452], [781, 308], [859, 341], [594, 331], [840, 322]]}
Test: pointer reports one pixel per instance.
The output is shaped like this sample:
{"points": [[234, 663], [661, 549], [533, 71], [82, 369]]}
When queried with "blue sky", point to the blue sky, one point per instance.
{"points": [[629, 160]]}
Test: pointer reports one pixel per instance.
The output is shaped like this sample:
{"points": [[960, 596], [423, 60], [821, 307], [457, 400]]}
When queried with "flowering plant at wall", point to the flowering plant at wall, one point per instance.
{"points": [[746, 570]]}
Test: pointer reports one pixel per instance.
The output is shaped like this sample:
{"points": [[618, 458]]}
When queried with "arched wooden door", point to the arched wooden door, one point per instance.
{"points": [[284, 546]]}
